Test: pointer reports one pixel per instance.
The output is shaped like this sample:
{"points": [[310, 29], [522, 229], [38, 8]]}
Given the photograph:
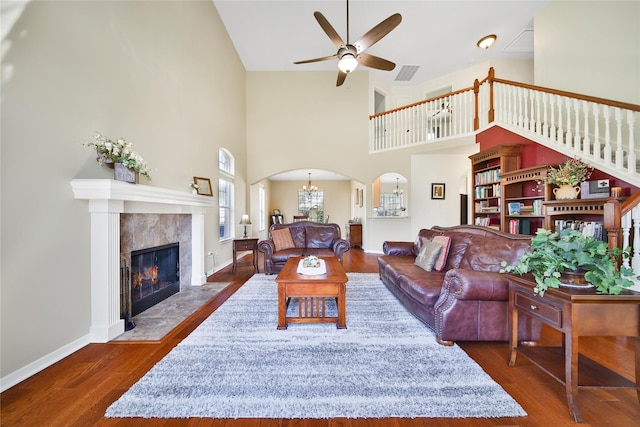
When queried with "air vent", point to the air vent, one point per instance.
{"points": [[523, 42], [406, 73]]}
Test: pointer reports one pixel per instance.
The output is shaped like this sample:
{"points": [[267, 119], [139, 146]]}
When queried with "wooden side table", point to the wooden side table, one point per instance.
{"points": [[575, 313], [248, 244]]}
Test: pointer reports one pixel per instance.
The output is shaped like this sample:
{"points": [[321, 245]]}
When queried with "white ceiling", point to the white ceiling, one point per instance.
{"points": [[440, 36]]}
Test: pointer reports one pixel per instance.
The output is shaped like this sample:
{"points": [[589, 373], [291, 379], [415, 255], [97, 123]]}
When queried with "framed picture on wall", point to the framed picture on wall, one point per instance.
{"points": [[437, 190], [356, 197], [204, 186], [361, 197]]}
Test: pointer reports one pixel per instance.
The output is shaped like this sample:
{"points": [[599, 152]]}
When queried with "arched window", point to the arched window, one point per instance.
{"points": [[225, 193]]}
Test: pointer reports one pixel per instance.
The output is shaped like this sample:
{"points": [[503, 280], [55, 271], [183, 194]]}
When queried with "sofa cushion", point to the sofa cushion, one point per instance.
{"points": [[283, 255], [282, 239], [299, 236], [444, 242], [486, 253], [320, 237], [428, 255]]}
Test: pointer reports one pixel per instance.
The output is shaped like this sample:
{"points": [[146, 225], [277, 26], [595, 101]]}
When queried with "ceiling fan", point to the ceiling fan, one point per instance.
{"points": [[350, 55]]}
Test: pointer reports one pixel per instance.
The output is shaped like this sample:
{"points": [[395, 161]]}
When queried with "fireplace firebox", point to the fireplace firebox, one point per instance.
{"points": [[155, 276]]}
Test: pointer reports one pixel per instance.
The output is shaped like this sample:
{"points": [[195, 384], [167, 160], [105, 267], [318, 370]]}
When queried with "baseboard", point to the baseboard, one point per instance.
{"points": [[44, 362]]}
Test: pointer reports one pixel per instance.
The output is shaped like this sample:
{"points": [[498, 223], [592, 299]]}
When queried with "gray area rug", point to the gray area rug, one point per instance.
{"points": [[236, 364]]}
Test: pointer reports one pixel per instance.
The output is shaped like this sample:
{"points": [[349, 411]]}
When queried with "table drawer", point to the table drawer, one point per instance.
{"points": [[245, 246], [550, 313]]}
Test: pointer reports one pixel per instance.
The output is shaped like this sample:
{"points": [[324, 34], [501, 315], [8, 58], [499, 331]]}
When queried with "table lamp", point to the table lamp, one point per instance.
{"points": [[245, 221]]}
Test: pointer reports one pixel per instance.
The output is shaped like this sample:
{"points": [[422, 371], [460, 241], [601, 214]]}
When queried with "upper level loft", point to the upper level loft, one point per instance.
{"points": [[598, 131]]}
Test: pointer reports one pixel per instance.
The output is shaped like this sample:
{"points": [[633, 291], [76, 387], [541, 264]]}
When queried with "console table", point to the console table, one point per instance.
{"points": [[246, 244], [575, 313]]}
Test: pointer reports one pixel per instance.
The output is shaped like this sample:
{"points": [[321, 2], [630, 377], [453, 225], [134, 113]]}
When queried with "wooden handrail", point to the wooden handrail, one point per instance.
{"points": [[630, 203], [608, 102], [415, 104]]}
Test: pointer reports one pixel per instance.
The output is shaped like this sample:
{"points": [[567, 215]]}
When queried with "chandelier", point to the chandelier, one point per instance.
{"points": [[398, 191], [309, 189]]}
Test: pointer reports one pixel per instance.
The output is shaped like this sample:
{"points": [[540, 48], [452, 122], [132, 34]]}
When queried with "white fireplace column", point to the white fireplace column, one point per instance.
{"points": [[105, 269], [107, 200]]}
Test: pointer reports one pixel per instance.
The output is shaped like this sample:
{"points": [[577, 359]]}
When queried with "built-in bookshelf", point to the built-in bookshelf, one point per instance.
{"points": [[585, 215], [487, 169], [523, 194]]}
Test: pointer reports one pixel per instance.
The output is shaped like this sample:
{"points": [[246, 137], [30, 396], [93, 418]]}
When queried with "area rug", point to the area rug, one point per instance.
{"points": [[236, 364]]}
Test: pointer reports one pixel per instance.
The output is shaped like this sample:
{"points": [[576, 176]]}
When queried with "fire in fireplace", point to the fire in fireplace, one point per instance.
{"points": [[155, 276]]}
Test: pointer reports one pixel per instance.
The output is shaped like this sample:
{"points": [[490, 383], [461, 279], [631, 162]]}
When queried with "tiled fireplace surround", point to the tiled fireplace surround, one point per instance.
{"points": [[161, 215]]}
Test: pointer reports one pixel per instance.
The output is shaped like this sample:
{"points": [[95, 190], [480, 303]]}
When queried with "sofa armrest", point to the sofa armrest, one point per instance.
{"points": [[267, 247], [398, 248], [474, 285], [339, 247]]}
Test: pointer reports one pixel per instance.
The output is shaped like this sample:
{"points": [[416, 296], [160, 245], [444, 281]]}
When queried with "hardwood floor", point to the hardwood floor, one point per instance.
{"points": [[77, 390]]}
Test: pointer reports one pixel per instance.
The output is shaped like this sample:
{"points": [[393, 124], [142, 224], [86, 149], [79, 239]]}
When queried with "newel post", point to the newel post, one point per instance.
{"points": [[476, 118], [613, 222], [492, 76]]}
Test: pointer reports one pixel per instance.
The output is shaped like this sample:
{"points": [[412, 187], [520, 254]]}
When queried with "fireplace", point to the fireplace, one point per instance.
{"points": [[155, 276]]}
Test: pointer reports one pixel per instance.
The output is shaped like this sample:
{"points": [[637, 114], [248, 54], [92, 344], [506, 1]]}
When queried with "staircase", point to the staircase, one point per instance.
{"points": [[598, 131]]}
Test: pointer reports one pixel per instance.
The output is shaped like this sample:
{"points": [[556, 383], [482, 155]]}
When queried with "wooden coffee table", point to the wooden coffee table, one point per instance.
{"points": [[311, 292]]}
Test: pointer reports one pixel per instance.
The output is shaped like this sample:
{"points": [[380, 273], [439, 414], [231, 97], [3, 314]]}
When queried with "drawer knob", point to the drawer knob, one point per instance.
{"points": [[533, 307]]}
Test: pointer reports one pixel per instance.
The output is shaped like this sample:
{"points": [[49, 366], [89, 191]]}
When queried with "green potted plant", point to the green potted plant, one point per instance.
{"points": [[569, 253]]}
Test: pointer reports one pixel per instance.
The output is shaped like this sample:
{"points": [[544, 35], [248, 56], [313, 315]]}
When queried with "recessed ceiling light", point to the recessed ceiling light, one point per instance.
{"points": [[487, 41]]}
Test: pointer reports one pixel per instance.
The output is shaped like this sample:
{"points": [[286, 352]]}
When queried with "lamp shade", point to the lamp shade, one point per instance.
{"points": [[347, 63], [245, 219]]}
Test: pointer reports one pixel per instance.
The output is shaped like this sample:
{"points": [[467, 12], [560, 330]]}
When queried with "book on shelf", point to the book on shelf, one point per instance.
{"points": [[487, 177], [520, 226], [594, 229]]}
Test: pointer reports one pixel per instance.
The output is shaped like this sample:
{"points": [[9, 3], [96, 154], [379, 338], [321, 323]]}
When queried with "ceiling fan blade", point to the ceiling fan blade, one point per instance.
{"points": [[378, 32], [341, 77], [376, 62], [324, 58], [331, 32]]}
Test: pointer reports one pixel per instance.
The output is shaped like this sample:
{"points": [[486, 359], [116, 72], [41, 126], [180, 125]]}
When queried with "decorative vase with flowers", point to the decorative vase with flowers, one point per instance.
{"points": [[567, 176], [119, 152]]}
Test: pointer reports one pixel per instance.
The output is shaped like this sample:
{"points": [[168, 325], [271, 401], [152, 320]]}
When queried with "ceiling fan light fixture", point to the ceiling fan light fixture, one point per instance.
{"points": [[347, 63], [487, 41]]}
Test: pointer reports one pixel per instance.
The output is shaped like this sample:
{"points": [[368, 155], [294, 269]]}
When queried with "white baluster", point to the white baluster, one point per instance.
{"points": [[619, 151], [635, 252], [553, 136], [577, 136], [560, 134], [607, 135], [596, 132], [538, 123], [626, 227], [569, 137], [586, 141], [530, 112], [521, 105], [545, 123], [631, 160]]}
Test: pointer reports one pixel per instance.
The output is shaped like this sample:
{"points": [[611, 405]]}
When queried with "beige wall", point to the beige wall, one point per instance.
{"points": [[590, 47], [163, 75]]}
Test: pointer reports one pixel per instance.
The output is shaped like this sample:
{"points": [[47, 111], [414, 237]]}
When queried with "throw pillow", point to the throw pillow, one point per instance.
{"points": [[282, 239], [441, 261], [428, 255]]}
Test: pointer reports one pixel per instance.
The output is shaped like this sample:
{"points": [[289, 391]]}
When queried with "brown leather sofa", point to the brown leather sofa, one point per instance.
{"points": [[309, 238], [468, 299]]}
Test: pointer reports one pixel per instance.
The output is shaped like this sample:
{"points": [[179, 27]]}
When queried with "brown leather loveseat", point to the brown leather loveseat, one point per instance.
{"points": [[468, 299], [301, 238]]}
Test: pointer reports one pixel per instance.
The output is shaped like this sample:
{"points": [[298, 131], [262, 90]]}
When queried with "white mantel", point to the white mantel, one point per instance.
{"points": [[107, 200]]}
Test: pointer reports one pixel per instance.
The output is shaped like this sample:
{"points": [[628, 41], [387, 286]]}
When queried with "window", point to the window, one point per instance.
{"points": [[225, 193], [311, 205]]}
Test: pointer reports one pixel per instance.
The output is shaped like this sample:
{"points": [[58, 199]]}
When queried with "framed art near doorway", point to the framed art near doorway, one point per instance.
{"points": [[437, 190]]}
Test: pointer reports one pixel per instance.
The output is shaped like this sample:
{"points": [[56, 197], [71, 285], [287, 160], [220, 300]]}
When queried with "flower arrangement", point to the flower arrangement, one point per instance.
{"points": [[571, 172], [119, 151], [194, 186]]}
